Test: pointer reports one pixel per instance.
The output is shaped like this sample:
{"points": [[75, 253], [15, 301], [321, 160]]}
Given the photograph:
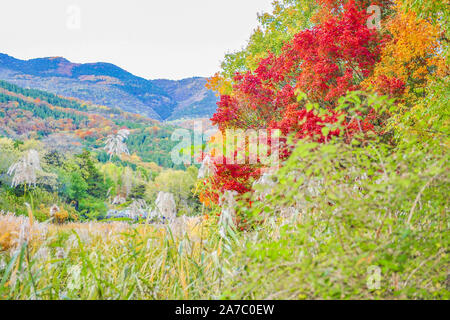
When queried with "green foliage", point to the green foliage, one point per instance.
{"points": [[97, 187], [154, 146], [350, 208], [44, 96], [76, 187], [428, 121], [181, 184], [374, 207], [277, 27], [44, 111]]}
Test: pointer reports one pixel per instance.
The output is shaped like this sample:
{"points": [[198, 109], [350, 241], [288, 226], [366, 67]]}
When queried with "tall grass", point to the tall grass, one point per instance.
{"points": [[301, 257], [109, 261]]}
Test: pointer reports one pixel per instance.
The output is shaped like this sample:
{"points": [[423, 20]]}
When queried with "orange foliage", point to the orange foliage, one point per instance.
{"points": [[219, 84], [410, 58]]}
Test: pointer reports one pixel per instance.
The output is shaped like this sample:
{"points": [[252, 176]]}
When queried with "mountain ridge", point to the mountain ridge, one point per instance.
{"points": [[106, 84]]}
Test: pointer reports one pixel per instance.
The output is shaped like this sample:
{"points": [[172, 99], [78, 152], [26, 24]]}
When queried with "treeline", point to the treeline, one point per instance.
{"points": [[44, 96], [41, 110], [154, 145]]}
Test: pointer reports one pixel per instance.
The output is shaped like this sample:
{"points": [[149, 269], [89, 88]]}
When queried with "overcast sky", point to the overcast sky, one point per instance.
{"points": [[153, 39]]}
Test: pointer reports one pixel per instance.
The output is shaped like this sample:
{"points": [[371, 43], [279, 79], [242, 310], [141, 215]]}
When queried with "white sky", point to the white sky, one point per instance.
{"points": [[153, 39]]}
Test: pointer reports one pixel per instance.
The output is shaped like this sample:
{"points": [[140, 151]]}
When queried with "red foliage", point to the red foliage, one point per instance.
{"points": [[392, 86], [325, 62]]}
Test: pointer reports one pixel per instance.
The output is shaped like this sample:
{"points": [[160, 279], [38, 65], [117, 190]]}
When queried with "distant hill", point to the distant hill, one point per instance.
{"points": [[108, 85]]}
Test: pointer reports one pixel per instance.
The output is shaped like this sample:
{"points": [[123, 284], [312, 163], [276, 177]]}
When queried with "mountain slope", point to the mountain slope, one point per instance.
{"points": [[109, 85], [192, 99]]}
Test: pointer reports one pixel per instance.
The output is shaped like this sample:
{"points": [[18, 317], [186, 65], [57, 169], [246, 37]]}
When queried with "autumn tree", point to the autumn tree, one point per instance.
{"points": [[322, 63]]}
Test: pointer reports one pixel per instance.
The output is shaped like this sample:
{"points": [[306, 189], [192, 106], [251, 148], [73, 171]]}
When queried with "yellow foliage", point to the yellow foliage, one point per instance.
{"points": [[219, 84], [416, 56], [5, 238], [59, 215], [413, 53]]}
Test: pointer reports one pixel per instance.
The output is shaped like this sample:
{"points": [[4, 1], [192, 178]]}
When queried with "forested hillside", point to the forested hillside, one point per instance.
{"points": [[64, 124]]}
